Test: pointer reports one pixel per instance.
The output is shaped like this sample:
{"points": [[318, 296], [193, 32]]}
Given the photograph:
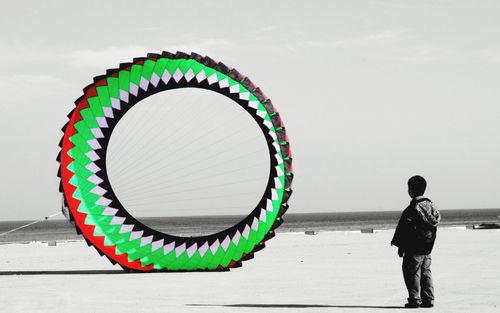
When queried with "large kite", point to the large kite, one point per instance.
{"points": [[97, 212]]}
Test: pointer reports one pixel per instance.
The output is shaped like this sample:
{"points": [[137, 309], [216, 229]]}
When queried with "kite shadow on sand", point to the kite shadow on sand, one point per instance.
{"points": [[68, 272], [299, 306]]}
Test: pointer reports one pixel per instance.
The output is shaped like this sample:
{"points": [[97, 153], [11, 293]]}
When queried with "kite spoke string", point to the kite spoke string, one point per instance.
{"points": [[163, 148], [30, 223], [146, 137], [173, 181], [184, 153], [144, 118], [132, 130], [204, 168], [195, 189], [147, 174], [209, 208], [195, 199]]}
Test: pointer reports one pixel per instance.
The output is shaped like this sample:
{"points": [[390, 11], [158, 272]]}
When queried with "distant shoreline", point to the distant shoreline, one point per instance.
{"points": [[292, 213], [79, 238], [60, 230]]}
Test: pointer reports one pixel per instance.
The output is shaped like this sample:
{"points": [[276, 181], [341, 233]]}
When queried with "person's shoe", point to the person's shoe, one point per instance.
{"points": [[427, 305], [412, 305]]}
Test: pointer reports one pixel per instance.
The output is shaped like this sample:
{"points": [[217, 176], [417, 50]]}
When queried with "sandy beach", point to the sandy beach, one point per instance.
{"points": [[327, 272]]}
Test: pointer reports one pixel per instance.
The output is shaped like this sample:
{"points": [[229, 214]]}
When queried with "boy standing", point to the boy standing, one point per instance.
{"points": [[414, 237]]}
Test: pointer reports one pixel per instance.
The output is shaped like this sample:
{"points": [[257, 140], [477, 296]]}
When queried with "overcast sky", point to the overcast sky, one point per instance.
{"points": [[371, 92]]}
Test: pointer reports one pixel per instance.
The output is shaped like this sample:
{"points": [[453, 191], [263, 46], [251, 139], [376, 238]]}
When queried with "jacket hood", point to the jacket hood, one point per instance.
{"points": [[428, 212]]}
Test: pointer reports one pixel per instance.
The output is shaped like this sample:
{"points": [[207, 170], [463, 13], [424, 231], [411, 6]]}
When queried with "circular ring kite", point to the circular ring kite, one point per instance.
{"points": [[97, 212]]}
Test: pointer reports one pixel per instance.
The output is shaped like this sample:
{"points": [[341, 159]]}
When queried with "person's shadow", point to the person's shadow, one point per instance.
{"points": [[299, 306]]}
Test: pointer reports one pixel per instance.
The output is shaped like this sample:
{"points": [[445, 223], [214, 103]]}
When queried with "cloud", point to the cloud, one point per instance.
{"points": [[105, 58], [380, 37], [22, 87], [112, 56]]}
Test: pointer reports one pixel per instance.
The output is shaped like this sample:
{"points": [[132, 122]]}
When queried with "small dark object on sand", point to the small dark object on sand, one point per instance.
{"points": [[487, 226], [311, 232], [367, 230]]}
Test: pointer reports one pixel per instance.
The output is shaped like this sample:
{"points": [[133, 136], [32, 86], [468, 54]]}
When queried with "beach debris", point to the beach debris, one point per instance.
{"points": [[311, 232], [52, 243], [486, 226], [367, 230]]}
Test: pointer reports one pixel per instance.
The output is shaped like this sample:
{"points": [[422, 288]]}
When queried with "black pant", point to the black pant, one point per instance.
{"points": [[418, 278]]}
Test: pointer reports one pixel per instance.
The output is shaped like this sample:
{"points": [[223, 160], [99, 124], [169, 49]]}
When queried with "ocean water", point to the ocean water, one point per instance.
{"points": [[51, 230]]}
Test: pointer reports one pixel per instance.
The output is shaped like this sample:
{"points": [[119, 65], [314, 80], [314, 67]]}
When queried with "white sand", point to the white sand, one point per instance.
{"points": [[342, 271]]}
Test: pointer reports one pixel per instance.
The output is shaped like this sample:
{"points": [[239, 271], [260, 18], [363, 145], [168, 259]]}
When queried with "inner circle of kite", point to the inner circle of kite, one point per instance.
{"points": [[97, 212]]}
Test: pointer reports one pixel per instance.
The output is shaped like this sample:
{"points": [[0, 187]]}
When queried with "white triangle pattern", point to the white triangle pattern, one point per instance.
{"points": [[244, 95], [94, 144], [212, 79], [215, 246], [261, 114], [201, 76], [95, 179], [134, 89], [136, 234], [144, 83], [123, 97], [103, 201], [191, 250], [117, 220], [110, 212], [92, 167], [263, 215], [253, 104], [225, 243], [97, 132], [177, 75], [108, 112], [166, 77], [255, 224], [155, 79], [180, 249], [278, 158], [224, 83], [203, 249], [273, 135], [276, 146], [168, 248], [278, 170], [274, 194], [126, 228], [98, 190], [269, 205], [246, 232], [157, 245], [234, 88], [189, 75], [277, 183], [92, 155], [236, 237], [102, 121], [146, 240]]}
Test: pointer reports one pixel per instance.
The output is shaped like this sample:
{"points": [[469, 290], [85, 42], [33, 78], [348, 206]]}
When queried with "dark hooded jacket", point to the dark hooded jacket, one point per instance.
{"points": [[417, 227]]}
